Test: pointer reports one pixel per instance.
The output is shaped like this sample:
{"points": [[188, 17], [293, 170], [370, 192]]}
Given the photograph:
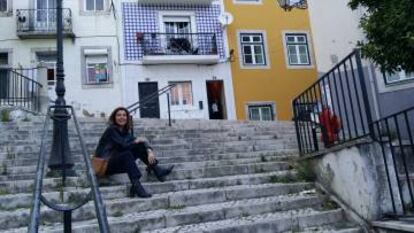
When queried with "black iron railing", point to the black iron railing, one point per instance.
{"points": [[335, 109], [65, 208], [42, 20], [145, 102], [19, 89], [178, 43], [395, 134]]}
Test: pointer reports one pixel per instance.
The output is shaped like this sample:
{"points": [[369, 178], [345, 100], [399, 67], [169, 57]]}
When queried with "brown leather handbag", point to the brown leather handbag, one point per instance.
{"points": [[99, 165]]}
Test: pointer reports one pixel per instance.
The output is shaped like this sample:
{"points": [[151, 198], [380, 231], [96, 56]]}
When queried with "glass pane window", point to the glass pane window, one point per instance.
{"points": [[181, 94], [261, 113], [97, 70], [252, 49], [4, 58], [3, 5], [297, 48], [94, 5], [398, 77]]}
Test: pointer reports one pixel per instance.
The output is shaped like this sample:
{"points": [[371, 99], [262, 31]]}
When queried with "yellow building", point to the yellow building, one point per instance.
{"points": [[272, 57]]}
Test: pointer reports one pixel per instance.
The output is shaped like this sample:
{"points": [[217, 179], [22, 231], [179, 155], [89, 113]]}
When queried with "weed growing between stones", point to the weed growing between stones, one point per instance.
{"points": [[176, 207], [5, 115], [305, 171], [4, 191], [118, 213], [329, 205], [4, 170], [288, 178]]}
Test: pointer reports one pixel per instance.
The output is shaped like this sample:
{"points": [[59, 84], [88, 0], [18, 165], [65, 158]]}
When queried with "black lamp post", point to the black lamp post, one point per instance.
{"points": [[288, 5], [60, 155]]}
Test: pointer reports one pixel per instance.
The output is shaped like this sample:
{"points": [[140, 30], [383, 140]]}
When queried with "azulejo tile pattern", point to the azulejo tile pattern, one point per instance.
{"points": [[144, 19]]}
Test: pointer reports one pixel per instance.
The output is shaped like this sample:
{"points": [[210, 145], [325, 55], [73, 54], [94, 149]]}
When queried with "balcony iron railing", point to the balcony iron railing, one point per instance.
{"points": [[41, 21], [178, 43]]}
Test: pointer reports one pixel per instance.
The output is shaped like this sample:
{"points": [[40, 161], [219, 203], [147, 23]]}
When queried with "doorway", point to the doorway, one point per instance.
{"points": [[48, 59], [216, 100], [151, 108], [45, 14]]}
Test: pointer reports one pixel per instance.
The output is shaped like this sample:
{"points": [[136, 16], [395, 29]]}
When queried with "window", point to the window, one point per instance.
{"points": [[177, 39], [3, 5], [398, 77], [247, 1], [261, 113], [94, 5], [297, 49], [4, 80], [96, 69], [4, 59], [97, 66], [181, 94], [252, 47]]}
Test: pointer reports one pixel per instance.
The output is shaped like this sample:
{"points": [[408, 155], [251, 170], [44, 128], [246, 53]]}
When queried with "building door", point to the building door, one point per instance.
{"points": [[216, 100], [49, 60], [4, 75], [45, 15], [151, 107]]}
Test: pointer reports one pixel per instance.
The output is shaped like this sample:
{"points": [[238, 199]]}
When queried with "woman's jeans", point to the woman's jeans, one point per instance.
{"points": [[125, 161]]}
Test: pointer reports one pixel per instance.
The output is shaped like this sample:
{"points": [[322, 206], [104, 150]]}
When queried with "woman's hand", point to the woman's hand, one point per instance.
{"points": [[151, 157], [139, 140]]}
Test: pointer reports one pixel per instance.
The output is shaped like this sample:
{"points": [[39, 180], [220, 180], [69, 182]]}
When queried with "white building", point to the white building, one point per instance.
{"points": [[104, 59], [176, 42], [91, 49]]}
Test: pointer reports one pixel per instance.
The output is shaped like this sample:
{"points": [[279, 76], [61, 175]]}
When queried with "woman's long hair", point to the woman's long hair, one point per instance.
{"points": [[112, 120]]}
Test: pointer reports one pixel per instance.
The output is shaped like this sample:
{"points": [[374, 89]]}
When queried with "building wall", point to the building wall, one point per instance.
{"points": [[145, 19], [276, 83], [335, 34], [91, 31]]}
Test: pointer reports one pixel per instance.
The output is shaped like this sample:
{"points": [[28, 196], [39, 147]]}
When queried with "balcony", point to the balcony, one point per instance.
{"points": [[184, 48], [176, 2], [41, 23]]}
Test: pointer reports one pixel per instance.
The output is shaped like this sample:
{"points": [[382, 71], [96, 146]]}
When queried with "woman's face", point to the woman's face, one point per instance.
{"points": [[121, 118]]}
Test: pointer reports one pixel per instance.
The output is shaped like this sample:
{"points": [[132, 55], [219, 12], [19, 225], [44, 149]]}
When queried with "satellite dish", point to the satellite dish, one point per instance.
{"points": [[225, 19]]}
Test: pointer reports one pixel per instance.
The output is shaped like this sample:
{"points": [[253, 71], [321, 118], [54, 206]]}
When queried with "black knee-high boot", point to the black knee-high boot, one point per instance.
{"points": [[137, 189], [159, 171]]}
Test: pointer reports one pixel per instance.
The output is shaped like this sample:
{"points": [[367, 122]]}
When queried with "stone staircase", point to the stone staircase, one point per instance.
{"points": [[229, 177]]}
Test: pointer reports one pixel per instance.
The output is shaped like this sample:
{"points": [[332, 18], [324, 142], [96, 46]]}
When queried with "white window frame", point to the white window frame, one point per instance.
{"points": [[9, 9], [271, 104], [248, 2], [402, 77], [180, 94], [309, 47], [265, 50], [96, 55], [84, 12], [178, 14], [94, 4]]}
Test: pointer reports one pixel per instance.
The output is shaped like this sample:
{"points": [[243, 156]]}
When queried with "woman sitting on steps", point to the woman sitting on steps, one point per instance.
{"points": [[121, 150]]}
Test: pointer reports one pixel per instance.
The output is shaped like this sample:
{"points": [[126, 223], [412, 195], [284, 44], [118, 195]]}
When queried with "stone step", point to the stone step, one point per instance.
{"points": [[127, 215], [158, 134], [7, 151], [288, 221], [50, 184], [200, 195], [332, 228], [11, 167], [179, 174], [238, 221], [165, 157]]}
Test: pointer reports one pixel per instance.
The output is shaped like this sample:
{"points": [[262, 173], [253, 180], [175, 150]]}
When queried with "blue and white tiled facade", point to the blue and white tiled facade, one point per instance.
{"points": [[145, 19]]}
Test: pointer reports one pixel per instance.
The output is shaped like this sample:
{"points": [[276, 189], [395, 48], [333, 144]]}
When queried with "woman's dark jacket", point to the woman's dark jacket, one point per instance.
{"points": [[114, 141]]}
